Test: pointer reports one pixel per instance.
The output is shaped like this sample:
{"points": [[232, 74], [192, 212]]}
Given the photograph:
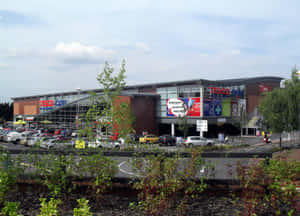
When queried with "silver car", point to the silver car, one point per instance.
{"points": [[105, 143], [52, 143], [198, 141]]}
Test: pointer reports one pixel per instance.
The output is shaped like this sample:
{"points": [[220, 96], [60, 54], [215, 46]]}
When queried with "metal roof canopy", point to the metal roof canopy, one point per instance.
{"points": [[226, 82]]}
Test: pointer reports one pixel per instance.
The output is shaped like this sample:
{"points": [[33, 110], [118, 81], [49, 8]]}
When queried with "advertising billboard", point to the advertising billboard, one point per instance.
{"points": [[212, 107], [226, 106], [179, 107], [234, 108]]}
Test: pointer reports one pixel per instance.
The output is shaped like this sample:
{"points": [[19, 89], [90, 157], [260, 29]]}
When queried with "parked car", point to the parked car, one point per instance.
{"points": [[47, 134], [63, 138], [24, 137], [33, 139], [42, 141], [3, 134], [150, 138], [105, 143], [167, 140], [130, 138], [198, 141], [13, 137], [52, 143]]}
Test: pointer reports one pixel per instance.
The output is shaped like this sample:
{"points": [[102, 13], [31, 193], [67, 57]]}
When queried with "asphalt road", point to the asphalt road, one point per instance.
{"points": [[213, 168]]}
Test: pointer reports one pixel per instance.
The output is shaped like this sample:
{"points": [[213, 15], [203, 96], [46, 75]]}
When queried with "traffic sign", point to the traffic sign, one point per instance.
{"points": [[201, 125]]}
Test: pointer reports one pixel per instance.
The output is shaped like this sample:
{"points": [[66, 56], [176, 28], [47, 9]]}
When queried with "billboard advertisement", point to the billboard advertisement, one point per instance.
{"points": [[226, 106], [234, 108], [179, 107], [212, 107]]}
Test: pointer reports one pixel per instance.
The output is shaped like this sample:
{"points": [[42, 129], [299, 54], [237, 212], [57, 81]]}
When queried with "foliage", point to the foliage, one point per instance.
{"points": [[8, 175], [51, 170], [163, 179], [270, 188], [101, 168], [124, 120], [49, 208], [280, 107], [6, 112], [182, 122], [102, 115], [83, 210], [10, 209]]}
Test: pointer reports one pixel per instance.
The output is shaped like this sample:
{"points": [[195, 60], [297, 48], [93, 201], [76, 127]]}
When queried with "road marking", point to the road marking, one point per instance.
{"points": [[127, 172]]}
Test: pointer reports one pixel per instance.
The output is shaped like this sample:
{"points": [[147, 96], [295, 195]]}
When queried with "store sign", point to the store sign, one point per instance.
{"points": [[51, 104], [226, 91], [180, 107], [29, 118], [217, 90]]}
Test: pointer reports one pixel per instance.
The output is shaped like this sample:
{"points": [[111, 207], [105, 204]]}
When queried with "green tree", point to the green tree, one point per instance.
{"points": [[6, 112], [280, 108], [102, 113]]}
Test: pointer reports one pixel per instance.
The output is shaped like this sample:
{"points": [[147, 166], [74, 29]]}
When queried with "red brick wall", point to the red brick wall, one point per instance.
{"points": [[27, 107], [144, 109], [117, 102], [254, 96]]}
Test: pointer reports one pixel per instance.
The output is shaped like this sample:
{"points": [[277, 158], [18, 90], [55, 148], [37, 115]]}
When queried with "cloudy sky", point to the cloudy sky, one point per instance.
{"points": [[51, 46]]}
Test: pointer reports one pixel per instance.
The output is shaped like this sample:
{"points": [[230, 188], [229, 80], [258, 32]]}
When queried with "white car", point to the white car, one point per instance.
{"points": [[105, 143], [13, 137], [24, 137], [198, 141], [50, 143]]}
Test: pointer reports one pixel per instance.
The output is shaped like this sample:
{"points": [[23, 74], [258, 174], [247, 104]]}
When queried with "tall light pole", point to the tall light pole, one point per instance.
{"points": [[77, 107]]}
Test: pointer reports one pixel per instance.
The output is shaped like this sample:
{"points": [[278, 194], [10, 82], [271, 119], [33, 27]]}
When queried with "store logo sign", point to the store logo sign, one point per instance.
{"points": [[217, 90], [50, 104], [226, 91]]}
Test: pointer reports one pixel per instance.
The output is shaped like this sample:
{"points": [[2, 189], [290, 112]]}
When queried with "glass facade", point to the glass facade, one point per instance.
{"points": [[172, 93], [216, 102]]}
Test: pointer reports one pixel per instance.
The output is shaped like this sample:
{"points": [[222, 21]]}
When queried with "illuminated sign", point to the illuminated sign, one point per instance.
{"points": [[180, 107], [217, 90], [226, 91], [50, 104]]}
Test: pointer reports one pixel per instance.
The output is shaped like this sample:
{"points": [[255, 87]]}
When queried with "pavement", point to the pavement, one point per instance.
{"points": [[290, 155]]}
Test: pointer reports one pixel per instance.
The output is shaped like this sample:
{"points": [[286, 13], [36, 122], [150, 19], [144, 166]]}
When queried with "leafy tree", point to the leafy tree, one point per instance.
{"points": [[6, 112], [183, 125], [280, 108], [102, 113]]}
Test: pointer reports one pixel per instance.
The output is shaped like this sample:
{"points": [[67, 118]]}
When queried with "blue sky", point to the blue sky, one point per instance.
{"points": [[51, 46]]}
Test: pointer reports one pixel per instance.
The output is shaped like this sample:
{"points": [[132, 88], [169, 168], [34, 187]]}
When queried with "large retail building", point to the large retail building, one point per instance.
{"points": [[158, 106]]}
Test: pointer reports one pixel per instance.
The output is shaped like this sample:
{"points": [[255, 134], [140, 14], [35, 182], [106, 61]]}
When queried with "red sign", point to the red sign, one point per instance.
{"points": [[183, 107], [263, 88], [47, 103], [217, 90]]}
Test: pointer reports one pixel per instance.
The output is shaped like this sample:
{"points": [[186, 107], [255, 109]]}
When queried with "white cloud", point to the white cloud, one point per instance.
{"points": [[23, 52], [140, 46], [4, 66], [77, 53]]}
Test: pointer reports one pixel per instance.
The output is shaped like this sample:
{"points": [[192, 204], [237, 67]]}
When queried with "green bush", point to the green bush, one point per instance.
{"points": [[270, 187]]}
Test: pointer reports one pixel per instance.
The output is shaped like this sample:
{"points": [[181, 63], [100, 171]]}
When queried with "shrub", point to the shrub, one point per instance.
{"points": [[270, 188]]}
